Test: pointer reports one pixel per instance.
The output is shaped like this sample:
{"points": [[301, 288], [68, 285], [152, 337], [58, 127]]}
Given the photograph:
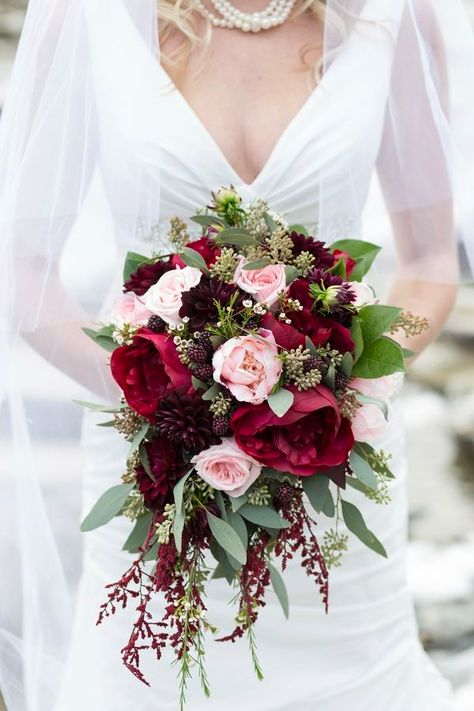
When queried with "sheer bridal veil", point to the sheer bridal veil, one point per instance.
{"points": [[83, 105]]}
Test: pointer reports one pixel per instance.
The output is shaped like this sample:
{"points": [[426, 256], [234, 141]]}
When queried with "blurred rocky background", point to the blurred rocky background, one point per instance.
{"points": [[439, 414]]}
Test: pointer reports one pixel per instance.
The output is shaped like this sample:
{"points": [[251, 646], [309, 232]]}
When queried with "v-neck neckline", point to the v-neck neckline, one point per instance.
{"points": [[237, 179]]}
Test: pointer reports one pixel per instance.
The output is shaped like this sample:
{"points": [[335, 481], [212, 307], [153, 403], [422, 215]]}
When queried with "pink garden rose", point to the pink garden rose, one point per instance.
{"points": [[369, 422], [165, 297], [129, 308], [248, 366], [225, 467], [264, 284]]}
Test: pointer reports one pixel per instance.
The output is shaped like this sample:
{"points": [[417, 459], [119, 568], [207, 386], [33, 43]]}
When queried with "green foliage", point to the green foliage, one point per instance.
{"points": [[279, 587], [193, 259], [362, 252], [236, 236], [139, 534], [375, 320], [257, 263], [132, 261], [107, 507], [178, 495], [356, 524], [205, 220], [263, 516], [227, 538], [316, 488], [281, 401], [103, 337], [383, 357], [356, 333], [363, 471]]}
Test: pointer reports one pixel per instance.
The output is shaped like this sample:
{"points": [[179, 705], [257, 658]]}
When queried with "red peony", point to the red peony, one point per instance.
{"points": [[312, 436], [147, 370], [206, 247], [349, 262], [166, 466], [319, 329]]}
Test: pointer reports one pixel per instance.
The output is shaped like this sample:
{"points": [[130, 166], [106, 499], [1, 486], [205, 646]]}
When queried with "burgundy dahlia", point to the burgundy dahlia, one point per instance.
{"points": [[166, 466], [302, 243], [186, 421], [145, 276], [198, 304]]}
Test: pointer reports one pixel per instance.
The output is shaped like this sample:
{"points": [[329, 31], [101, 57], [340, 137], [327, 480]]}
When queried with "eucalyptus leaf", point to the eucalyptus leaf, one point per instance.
{"points": [[94, 407], [224, 570], [212, 393], [104, 341], [107, 507], [300, 229], [227, 538], [257, 264], [329, 507], [279, 587], [219, 499], [310, 346], [138, 438], [205, 220], [291, 273], [179, 518], [347, 364], [356, 524], [270, 222], [193, 259], [316, 488], [238, 524], [109, 423], [237, 501], [375, 320], [368, 400], [263, 516], [383, 357], [281, 401], [144, 458], [153, 552], [357, 484], [236, 236], [329, 378], [363, 471], [139, 533]]}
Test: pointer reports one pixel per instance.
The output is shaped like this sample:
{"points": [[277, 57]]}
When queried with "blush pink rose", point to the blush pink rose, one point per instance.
{"points": [[264, 284], [129, 308], [248, 366], [165, 297], [225, 467], [369, 422]]}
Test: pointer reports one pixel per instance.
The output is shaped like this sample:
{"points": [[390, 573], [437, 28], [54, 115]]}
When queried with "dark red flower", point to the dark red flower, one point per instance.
{"points": [[147, 370], [349, 262], [166, 466], [206, 247], [199, 303], [319, 329], [302, 243], [147, 275], [311, 437], [186, 420]]}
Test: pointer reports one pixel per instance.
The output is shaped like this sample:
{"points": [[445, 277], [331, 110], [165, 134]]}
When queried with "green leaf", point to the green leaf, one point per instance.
{"points": [[300, 229], [212, 393], [329, 508], [310, 346], [316, 488], [198, 384], [178, 523], [363, 471], [139, 534], [356, 524], [236, 236], [205, 220], [357, 484], [224, 569], [219, 499], [227, 538], [193, 259], [329, 378], [279, 587], [367, 400], [238, 524], [103, 340], [152, 553], [257, 264], [375, 320], [132, 262], [363, 252], [339, 269], [291, 273], [356, 333], [138, 438], [270, 222], [281, 401], [237, 501], [365, 451], [109, 423], [263, 516], [94, 407], [407, 353], [383, 357], [107, 507]]}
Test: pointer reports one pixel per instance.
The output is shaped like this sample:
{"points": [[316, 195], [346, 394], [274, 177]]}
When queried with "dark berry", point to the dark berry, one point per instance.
{"points": [[314, 362], [198, 353], [341, 380], [284, 493], [203, 372], [220, 426], [156, 324]]}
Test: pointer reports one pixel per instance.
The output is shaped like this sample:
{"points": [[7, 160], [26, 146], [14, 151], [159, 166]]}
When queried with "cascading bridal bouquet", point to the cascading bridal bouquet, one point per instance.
{"points": [[253, 363]]}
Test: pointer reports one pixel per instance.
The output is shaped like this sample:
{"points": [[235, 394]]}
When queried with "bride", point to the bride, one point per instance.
{"points": [[299, 102]]}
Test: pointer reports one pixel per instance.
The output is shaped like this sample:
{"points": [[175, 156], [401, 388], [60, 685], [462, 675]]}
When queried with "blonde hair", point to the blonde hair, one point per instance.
{"points": [[177, 15]]}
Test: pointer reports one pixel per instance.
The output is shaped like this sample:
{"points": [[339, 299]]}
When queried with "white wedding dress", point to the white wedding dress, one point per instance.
{"points": [[365, 654]]}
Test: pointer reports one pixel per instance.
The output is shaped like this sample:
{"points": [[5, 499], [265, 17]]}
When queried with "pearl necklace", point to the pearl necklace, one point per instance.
{"points": [[276, 13]]}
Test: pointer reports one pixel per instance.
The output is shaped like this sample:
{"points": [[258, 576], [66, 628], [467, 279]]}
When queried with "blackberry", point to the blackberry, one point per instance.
{"points": [[314, 362], [220, 426], [198, 353], [341, 380], [284, 493], [252, 325], [156, 324], [203, 372]]}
